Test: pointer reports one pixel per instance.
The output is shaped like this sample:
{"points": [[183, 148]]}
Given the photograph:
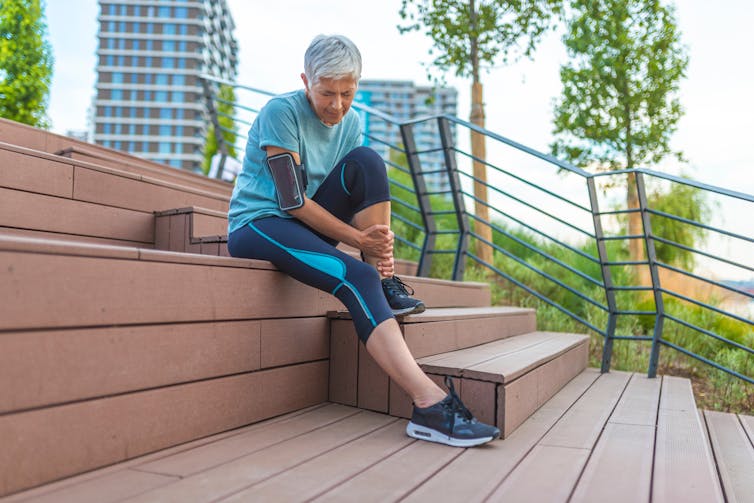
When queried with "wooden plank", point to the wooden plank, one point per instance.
{"points": [[9, 232], [25, 210], [30, 173], [208, 224], [581, 426], [108, 488], [520, 398], [344, 363], [333, 468], [373, 384], [456, 362], [15, 133], [123, 292], [734, 454], [56, 366], [229, 478], [254, 439], [477, 472], [462, 331], [294, 340], [481, 398], [395, 476], [46, 245], [508, 367], [47, 444], [748, 423], [551, 470], [620, 467], [443, 293], [684, 469], [108, 188], [178, 236], [94, 476]]}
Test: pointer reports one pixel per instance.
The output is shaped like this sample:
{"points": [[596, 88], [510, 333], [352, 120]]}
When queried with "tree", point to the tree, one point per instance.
{"points": [[466, 35], [619, 106], [225, 107], [25, 62]]}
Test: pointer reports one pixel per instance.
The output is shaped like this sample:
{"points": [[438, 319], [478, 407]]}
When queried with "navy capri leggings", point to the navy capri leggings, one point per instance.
{"points": [[358, 181]]}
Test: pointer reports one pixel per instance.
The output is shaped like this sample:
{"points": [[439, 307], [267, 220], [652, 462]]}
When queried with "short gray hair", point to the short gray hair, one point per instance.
{"points": [[332, 57]]}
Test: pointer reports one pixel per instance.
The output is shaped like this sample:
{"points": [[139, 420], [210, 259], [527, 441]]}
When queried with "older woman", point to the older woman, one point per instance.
{"points": [[344, 197]]}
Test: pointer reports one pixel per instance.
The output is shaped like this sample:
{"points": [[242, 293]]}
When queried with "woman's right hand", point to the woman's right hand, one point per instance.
{"points": [[377, 241]]}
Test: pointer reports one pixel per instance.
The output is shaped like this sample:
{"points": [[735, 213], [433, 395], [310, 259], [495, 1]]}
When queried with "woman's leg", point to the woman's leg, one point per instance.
{"points": [[388, 348], [299, 252]]}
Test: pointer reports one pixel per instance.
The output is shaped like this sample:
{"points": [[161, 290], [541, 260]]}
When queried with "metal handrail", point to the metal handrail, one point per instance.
{"points": [[538, 244]]}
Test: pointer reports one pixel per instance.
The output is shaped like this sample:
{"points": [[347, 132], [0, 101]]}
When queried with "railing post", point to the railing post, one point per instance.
{"points": [[607, 278], [216, 126], [654, 355], [414, 165], [446, 137]]}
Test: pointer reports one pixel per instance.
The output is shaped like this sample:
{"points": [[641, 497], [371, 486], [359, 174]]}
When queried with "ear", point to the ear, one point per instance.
{"points": [[305, 80]]}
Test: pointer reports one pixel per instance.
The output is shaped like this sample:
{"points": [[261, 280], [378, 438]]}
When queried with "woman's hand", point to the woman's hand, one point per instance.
{"points": [[377, 241], [386, 267]]}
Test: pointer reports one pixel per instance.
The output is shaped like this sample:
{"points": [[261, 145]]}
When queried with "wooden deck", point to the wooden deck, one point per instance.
{"points": [[613, 437]]}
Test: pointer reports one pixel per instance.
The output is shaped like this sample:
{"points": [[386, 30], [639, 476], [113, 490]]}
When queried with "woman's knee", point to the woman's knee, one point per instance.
{"points": [[370, 162]]}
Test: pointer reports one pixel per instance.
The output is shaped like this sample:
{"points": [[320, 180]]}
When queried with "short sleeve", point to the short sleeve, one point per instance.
{"points": [[278, 126]]}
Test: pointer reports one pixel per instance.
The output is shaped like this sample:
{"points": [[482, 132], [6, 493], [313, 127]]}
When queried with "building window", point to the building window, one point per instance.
{"points": [[165, 147], [161, 96], [177, 96]]}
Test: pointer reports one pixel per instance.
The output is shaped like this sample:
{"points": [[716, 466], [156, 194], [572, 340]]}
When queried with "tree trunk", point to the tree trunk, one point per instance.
{"points": [[636, 228], [479, 151]]}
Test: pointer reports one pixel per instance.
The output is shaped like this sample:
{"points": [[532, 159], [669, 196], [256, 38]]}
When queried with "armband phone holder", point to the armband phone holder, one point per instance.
{"points": [[289, 179]]}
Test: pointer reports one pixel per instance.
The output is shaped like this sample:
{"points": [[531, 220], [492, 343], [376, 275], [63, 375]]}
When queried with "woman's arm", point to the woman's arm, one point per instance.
{"points": [[376, 240]]}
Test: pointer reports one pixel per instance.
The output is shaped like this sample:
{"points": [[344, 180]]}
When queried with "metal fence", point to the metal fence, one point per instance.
{"points": [[560, 235]]}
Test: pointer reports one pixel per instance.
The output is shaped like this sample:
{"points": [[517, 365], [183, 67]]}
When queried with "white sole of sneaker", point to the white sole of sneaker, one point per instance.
{"points": [[430, 435], [419, 308]]}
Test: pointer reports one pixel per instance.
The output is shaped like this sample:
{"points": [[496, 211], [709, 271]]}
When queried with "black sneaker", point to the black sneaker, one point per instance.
{"points": [[449, 422], [399, 297]]}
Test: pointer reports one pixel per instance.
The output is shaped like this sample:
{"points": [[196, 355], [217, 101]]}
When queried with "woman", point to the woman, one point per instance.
{"points": [[345, 199]]}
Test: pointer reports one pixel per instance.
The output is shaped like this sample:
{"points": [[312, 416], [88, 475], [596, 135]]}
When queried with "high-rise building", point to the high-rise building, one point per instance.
{"points": [[404, 101], [149, 98]]}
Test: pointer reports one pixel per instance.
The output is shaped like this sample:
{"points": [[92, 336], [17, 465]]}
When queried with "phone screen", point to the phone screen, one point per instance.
{"points": [[286, 182]]}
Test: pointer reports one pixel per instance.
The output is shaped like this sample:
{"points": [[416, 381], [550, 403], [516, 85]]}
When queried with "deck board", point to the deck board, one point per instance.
{"points": [[331, 469], [593, 441], [551, 470], [684, 468], [237, 475], [734, 454], [620, 467]]}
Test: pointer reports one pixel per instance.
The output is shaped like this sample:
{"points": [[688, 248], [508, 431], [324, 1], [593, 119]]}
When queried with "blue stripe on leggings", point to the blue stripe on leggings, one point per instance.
{"points": [[342, 178], [332, 266]]}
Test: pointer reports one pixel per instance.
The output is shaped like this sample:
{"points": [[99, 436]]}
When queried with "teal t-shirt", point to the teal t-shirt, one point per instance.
{"points": [[288, 121]]}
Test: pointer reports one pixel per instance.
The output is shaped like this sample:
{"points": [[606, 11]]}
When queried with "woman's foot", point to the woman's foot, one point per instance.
{"points": [[399, 298], [449, 422]]}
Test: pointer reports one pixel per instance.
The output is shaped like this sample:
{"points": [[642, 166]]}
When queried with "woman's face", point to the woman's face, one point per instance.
{"points": [[331, 98]]}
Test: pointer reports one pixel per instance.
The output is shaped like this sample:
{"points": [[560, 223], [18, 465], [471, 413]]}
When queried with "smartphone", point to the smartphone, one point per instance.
{"points": [[289, 181]]}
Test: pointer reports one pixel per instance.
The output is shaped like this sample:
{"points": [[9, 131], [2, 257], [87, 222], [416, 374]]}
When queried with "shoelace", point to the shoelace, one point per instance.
{"points": [[396, 285], [456, 405]]}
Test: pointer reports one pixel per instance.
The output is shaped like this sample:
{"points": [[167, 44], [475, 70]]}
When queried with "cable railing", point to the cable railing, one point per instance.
{"points": [[564, 238]]}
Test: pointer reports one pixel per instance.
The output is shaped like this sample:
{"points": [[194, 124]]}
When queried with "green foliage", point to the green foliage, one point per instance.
{"points": [[685, 202], [25, 62], [469, 32], [225, 112], [619, 106]]}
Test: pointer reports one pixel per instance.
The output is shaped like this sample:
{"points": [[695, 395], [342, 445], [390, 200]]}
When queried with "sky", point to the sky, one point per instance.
{"points": [[715, 134]]}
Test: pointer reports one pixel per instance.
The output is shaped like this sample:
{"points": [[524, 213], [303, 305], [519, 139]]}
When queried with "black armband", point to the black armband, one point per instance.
{"points": [[289, 179]]}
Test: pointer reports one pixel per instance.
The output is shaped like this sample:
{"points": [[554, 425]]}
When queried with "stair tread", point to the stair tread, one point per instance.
{"points": [[504, 360], [445, 313]]}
